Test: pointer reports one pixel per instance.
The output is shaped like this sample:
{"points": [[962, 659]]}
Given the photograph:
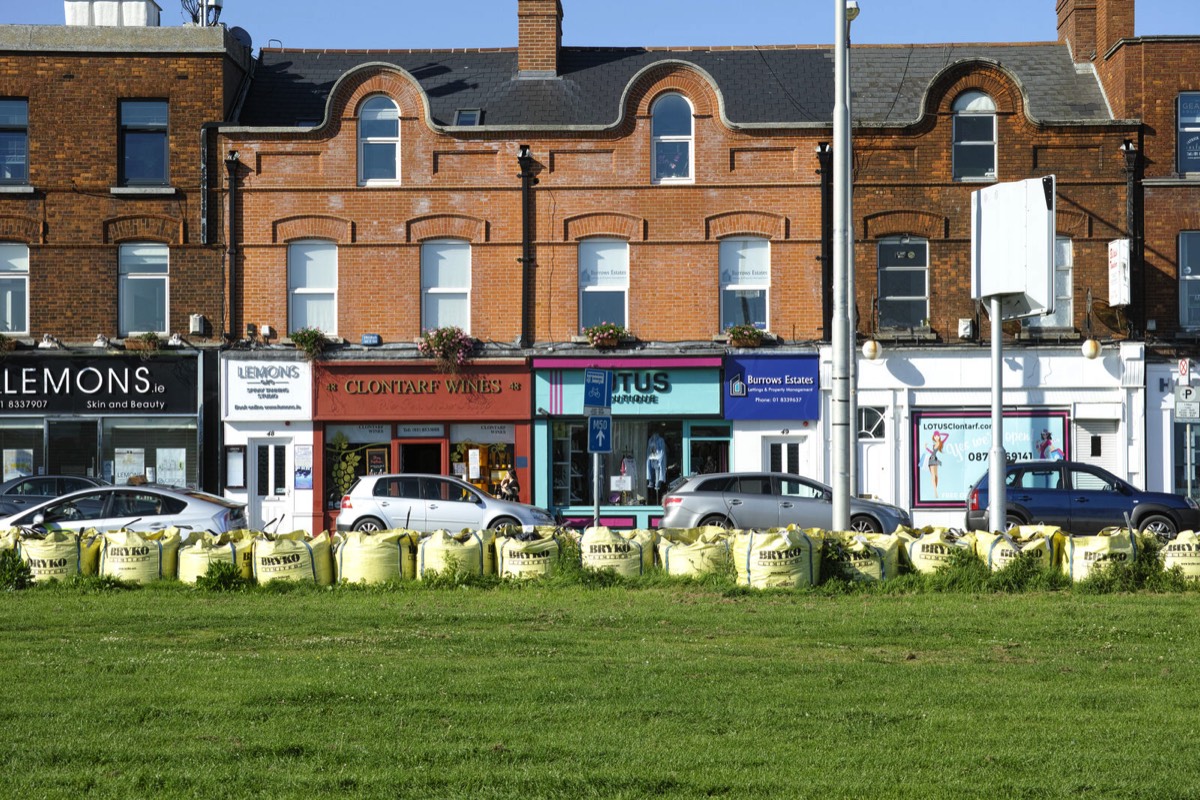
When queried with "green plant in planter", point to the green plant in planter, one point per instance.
{"points": [[311, 340], [744, 335], [450, 346], [605, 334], [7, 343]]}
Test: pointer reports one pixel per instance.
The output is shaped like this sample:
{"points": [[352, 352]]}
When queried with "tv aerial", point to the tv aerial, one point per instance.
{"points": [[203, 12]]}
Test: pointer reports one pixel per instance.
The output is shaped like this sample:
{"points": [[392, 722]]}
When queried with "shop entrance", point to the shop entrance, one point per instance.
{"points": [[269, 484], [71, 446], [421, 457]]}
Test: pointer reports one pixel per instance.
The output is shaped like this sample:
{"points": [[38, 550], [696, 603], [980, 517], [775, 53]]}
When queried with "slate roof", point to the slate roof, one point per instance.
{"points": [[791, 86]]}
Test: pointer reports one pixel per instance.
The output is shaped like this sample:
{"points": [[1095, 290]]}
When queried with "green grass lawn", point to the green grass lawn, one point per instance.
{"points": [[653, 689]]}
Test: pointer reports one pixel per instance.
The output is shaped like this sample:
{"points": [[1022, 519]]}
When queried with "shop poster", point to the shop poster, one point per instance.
{"points": [[130, 461], [18, 463], [950, 449], [171, 464], [303, 454]]}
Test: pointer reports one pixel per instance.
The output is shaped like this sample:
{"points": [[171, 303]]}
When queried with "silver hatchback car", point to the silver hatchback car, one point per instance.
{"points": [[769, 500], [148, 507], [428, 503]]}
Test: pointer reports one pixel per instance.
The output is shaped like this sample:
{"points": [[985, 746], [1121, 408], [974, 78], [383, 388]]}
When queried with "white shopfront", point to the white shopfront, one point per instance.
{"points": [[266, 406]]}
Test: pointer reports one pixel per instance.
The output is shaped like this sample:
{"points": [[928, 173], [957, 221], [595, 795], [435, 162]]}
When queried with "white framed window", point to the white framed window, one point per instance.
{"points": [[1189, 279], [903, 282], [14, 141], [671, 132], [603, 282], [974, 137], [745, 278], [1188, 133], [144, 290], [378, 141], [1064, 303], [312, 266], [14, 288], [143, 143], [446, 284]]}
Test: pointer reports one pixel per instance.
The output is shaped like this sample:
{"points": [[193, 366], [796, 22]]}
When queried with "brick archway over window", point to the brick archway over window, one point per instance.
{"points": [[148, 228], [914, 223], [447, 226], [21, 229], [746, 223], [620, 226], [313, 226]]}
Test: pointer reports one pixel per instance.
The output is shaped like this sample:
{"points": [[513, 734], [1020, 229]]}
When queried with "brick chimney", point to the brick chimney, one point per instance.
{"points": [[539, 37], [1092, 27]]}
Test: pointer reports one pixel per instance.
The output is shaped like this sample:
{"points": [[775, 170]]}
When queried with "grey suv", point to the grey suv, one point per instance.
{"points": [[429, 503]]}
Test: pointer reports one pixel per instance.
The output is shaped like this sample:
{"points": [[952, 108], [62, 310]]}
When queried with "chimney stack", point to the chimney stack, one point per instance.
{"points": [[1092, 27], [539, 37]]}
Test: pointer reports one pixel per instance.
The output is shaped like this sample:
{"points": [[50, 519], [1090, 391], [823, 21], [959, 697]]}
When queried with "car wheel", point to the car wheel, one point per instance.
{"points": [[503, 522], [1160, 526], [716, 521], [1012, 521], [369, 525], [864, 524]]}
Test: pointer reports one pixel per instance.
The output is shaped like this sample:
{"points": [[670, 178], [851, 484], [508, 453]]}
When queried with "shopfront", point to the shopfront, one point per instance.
{"points": [[666, 423], [774, 404], [108, 416], [382, 417]]}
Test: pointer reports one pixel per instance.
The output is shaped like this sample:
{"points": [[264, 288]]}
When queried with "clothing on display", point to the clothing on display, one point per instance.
{"points": [[656, 461]]}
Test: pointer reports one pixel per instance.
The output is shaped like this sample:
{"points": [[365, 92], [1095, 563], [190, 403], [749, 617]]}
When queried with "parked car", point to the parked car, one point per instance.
{"points": [[429, 503], [148, 507], [21, 493], [1081, 499], [769, 500]]}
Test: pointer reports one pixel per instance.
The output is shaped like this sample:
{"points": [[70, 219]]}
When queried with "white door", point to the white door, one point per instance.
{"points": [[787, 455], [874, 462], [270, 485]]}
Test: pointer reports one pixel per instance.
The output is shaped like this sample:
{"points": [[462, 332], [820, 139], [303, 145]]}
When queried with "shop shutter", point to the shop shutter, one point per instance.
{"points": [[1096, 442]]}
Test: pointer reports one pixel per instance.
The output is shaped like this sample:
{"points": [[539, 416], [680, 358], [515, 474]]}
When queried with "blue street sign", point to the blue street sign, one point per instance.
{"points": [[600, 434], [597, 391]]}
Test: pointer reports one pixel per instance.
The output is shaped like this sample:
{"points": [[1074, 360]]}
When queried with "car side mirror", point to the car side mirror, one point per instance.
{"points": [[827, 496], [39, 519]]}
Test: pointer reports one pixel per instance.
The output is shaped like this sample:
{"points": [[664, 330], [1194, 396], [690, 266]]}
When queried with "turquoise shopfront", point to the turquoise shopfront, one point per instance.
{"points": [[667, 422]]}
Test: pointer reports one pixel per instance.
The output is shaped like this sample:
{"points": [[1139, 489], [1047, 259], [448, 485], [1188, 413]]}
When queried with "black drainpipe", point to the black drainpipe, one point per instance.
{"points": [[825, 170], [231, 166], [528, 181]]}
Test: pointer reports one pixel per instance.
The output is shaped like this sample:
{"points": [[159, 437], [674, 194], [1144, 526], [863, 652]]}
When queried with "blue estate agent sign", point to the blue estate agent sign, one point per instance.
{"points": [[772, 387], [597, 390], [600, 434]]}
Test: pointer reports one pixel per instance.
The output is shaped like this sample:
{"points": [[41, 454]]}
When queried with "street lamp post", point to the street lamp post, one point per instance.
{"points": [[844, 12]]}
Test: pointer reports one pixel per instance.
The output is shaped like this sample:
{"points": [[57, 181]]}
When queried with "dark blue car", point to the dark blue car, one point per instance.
{"points": [[1081, 499]]}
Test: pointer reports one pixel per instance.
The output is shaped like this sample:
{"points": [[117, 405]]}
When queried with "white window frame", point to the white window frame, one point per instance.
{"points": [[307, 247], [365, 140], [658, 140], [19, 128], [1187, 133], [1064, 286], [429, 293], [589, 283], [973, 105], [1189, 253], [14, 273], [129, 276], [735, 246], [923, 268]]}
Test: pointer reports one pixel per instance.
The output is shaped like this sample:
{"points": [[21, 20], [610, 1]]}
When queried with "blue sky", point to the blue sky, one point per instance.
{"points": [[492, 23]]}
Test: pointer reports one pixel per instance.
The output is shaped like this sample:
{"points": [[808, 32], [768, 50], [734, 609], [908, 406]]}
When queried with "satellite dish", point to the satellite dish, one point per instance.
{"points": [[1111, 317], [241, 36]]}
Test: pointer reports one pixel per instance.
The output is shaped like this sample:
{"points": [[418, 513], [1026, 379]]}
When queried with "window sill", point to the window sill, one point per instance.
{"points": [[1049, 335], [918, 334], [16, 189], [142, 190]]}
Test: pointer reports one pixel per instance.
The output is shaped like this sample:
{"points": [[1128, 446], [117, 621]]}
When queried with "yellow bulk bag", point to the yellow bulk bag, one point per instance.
{"points": [[461, 553], [693, 551], [53, 557], [210, 548], [527, 555], [90, 542], [1040, 542], [779, 557], [1184, 552], [362, 557], [628, 553], [1082, 553], [865, 556], [929, 548], [293, 557], [139, 557], [8, 539]]}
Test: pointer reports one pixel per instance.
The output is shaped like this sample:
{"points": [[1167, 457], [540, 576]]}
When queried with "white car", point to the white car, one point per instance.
{"points": [[428, 503], [141, 508]]}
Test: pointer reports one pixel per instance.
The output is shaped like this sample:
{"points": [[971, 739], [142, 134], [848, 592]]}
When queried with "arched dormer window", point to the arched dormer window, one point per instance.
{"points": [[974, 137], [671, 131], [378, 141]]}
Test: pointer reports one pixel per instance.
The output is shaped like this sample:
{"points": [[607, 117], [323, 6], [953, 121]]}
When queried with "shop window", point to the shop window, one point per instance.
{"points": [[14, 142], [14, 288], [603, 282], [1064, 303], [1189, 279], [378, 142], [903, 282], [21, 448], [446, 284], [1188, 134], [974, 137], [143, 143], [144, 284], [347, 456], [162, 450], [671, 132], [745, 273], [312, 285], [482, 454]]}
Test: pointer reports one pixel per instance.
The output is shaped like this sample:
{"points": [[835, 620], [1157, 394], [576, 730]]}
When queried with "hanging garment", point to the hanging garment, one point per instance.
{"points": [[656, 460], [628, 466]]}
